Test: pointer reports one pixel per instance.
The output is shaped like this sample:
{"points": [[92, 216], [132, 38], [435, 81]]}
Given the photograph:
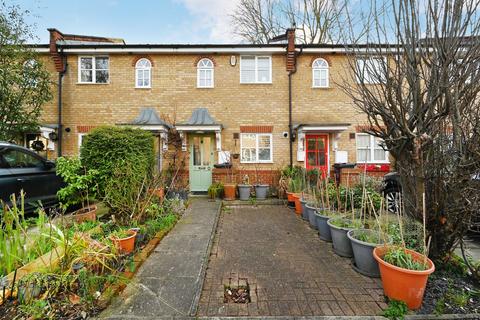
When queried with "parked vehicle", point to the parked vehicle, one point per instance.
{"points": [[392, 190], [21, 168]]}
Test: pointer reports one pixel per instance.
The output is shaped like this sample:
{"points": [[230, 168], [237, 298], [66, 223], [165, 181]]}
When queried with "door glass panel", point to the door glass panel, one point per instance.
{"points": [[196, 152], [206, 151], [311, 159], [321, 158], [321, 144], [311, 145]]}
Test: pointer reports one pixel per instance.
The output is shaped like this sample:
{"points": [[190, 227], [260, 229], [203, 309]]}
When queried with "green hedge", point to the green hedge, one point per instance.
{"points": [[107, 149]]}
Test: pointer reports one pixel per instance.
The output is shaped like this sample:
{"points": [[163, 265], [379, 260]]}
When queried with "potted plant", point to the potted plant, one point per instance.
{"points": [[261, 189], [215, 190], [80, 188], [244, 188], [339, 227], [124, 240], [363, 242]]}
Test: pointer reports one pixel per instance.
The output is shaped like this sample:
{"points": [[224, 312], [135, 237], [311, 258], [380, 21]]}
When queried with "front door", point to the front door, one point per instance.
{"points": [[201, 162], [317, 152]]}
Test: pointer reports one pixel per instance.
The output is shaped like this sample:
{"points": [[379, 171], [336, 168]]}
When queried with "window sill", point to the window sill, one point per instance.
{"points": [[321, 87], [256, 162], [205, 87], [92, 83], [255, 83], [143, 88]]}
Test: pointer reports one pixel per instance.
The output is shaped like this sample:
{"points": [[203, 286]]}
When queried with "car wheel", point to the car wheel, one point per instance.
{"points": [[392, 200]]}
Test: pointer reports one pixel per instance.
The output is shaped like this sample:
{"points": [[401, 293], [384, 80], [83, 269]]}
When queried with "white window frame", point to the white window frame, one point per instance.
{"points": [[94, 74], [327, 69], [257, 135], [212, 69], [256, 69], [80, 140], [371, 148], [369, 79], [149, 69]]}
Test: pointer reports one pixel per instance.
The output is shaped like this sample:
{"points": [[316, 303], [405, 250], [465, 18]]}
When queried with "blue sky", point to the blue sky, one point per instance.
{"points": [[136, 21]]}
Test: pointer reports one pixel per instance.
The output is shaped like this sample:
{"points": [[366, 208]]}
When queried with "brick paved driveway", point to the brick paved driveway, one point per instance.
{"points": [[290, 271]]}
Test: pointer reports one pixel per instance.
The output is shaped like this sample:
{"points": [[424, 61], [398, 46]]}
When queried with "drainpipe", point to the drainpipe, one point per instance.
{"points": [[290, 131], [60, 126]]}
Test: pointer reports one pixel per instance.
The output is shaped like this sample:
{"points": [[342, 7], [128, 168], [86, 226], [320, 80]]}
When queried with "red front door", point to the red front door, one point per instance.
{"points": [[317, 152]]}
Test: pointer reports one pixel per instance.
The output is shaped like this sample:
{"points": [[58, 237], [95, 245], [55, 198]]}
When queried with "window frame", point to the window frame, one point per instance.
{"points": [[137, 68], [256, 69], [370, 80], [257, 159], [212, 69], [371, 148], [327, 69], [94, 69]]}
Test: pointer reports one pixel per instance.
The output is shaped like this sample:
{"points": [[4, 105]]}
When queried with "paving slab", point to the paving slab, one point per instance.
{"points": [[290, 271], [168, 284]]}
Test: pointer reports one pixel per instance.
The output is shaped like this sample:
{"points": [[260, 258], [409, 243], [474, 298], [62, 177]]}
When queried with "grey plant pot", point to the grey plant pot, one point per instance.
{"points": [[365, 263], [261, 191], [244, 191], [304, 209], [311, 215], [341, 244], [322, 226]]}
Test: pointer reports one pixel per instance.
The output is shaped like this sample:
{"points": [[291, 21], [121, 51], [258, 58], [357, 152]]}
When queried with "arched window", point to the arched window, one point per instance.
{"points": [[205, 73], [320, 73], [143, 73]]}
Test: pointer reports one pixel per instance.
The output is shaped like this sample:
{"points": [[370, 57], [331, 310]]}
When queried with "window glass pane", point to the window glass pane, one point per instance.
{"points": [[101, 63], [196, 151], [248, 155], [206, 151], [86, 63], [17, 159], [311, 144], [379, 155], [363, 141], [264, 154], [264, 141], [321, 159], [321, 144], [101, 76], [363, 155], [316, 78], [263, 65], [86, 76], [248, 140], [247, 69]]}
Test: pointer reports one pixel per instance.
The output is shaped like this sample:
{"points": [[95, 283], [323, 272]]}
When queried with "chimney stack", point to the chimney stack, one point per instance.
{"points": [[291, 54]]}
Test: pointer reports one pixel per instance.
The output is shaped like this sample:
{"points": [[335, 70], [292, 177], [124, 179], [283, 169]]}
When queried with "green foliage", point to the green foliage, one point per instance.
{"points": [[396, 310], [398, 257], [368, 236], [81, 183], [346, 223], [25, 82], [215, 190], [109, 149]]}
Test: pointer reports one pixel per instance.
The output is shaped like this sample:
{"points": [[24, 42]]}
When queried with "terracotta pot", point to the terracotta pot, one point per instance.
{"points": [[298, 205], [85, 214], [126, 245], [403, 284], [229, 190], [290, 196]]}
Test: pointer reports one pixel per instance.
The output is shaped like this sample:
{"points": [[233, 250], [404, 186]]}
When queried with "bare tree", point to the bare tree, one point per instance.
{"points": [[418, 82], [258, 21]]}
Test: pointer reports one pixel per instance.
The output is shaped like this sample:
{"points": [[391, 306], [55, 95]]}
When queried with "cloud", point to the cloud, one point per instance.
{"points": [[213, 15]]}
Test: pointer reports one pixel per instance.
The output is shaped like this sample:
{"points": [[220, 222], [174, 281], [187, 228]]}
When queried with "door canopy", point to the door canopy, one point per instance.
{"points": [[200, 122]]}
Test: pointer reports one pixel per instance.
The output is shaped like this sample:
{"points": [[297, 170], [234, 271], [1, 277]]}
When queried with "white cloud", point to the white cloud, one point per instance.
{"points": [[213, 15]]}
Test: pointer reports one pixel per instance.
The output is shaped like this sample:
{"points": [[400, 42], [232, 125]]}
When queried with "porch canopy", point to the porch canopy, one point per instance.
{"points": [[200, 122], [148, 119]]}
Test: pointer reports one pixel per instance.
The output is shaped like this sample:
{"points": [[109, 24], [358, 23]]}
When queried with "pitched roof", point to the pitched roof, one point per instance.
{"points": [[200, 117], [148, 117]]}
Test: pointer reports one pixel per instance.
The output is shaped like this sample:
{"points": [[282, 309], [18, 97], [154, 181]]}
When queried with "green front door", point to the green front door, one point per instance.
{"points": [[201, 162]]}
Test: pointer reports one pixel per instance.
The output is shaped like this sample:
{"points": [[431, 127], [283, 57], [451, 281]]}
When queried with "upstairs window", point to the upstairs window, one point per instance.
{"points": [[370, 150], [30, 72], [371, 70], [93, 70], [205, 73], [255, 69], [320, 73], [143, 73], [256, 147]]}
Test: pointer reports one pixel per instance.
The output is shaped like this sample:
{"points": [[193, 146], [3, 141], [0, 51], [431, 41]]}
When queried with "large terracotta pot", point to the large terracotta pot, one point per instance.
{"points": [[290, 196], [298, 205], [403, 284], [85, 214], [126, 245], [229, 190]]}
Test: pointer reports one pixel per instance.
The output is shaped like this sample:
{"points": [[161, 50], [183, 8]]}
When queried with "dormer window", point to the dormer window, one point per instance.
{"points": [[205, 73], [320, 73], [143, 73]]}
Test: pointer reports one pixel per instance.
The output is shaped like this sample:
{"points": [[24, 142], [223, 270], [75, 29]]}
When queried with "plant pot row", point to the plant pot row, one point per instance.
{"points": [[244, 190], [368, 258]]}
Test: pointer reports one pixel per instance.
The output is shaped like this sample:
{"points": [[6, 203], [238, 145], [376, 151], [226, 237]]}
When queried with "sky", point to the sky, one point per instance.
{"points": [[135, 21]]}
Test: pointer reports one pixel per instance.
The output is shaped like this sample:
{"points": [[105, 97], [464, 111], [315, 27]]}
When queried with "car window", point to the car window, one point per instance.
{"points": [[19, 159]]}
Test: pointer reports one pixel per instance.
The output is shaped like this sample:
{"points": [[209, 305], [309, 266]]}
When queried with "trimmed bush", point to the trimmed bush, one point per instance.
{"points": [[106, 149]]}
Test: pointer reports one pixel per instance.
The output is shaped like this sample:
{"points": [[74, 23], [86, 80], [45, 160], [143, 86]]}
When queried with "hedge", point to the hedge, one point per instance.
{"points": [[109, 148]]}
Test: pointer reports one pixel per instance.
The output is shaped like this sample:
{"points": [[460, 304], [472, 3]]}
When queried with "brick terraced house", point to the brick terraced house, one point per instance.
{"points": [[265, 106]]}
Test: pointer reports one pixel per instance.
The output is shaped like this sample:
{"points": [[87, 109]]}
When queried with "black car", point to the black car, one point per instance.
{"points": [[21, 168]]}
